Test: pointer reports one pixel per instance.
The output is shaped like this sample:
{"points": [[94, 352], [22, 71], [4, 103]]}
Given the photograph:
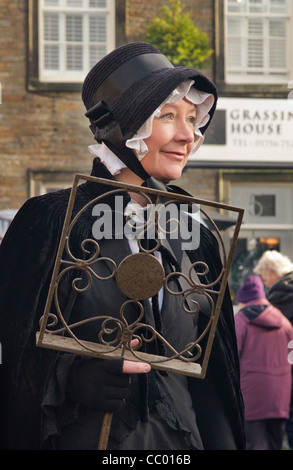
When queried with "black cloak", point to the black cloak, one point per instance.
{"points": [[27, 256]]}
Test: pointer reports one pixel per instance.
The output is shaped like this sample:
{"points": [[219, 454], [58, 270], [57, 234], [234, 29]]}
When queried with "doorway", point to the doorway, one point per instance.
{"points": [[267, 225]]}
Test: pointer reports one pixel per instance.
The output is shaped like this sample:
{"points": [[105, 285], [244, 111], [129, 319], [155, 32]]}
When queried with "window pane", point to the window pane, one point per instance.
{"points": [[279, 6], [52, 3], [97, 28], [51, 59], [74, 28], [255, 27], [277, 28], [255, 46], [51, 27], [98, 4], [278, 54], [236, 26], [258, 6], [234, 6], [95, 54], [255, 53], [74, 3], [264, 205], [74, 57], [234, 49]]}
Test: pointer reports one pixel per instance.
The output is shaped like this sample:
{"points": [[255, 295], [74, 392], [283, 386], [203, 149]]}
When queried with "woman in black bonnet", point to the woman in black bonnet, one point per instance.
{"points": [[147, 118]]}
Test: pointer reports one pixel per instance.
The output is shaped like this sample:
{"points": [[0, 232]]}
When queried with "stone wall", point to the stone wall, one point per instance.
{"points": [[37, 131], [47, 131]]}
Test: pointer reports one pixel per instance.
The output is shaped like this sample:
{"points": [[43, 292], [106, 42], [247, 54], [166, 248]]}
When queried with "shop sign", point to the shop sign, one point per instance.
{"points": [[249, 130]]}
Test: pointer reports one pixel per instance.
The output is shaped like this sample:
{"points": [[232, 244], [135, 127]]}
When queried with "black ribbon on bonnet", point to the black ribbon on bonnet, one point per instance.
{"points": [[106, 129]]}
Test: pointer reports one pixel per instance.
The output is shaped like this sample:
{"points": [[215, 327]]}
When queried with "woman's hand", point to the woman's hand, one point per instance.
{"points": [[132, 367], [103, 384]]}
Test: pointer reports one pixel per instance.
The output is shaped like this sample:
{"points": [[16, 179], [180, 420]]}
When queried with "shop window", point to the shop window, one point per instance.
{"points": [[269, 243], [262, 205]]}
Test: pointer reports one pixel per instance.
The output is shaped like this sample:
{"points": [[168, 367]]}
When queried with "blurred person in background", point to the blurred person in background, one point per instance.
{"points": [[263, 334], [276, 271]]}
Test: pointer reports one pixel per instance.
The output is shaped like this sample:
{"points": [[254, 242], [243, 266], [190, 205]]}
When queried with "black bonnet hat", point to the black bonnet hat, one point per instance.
{"points": [[125, 87]]}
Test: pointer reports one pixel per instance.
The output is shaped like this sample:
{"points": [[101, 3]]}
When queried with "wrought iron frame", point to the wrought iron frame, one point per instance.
{"points": [[63, 338]]}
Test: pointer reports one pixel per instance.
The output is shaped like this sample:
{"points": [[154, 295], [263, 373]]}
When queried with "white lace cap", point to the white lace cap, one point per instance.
{"points": [[203, 101]]}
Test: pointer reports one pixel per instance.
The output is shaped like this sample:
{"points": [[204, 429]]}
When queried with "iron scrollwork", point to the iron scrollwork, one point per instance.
{"points": [[139, 276]]}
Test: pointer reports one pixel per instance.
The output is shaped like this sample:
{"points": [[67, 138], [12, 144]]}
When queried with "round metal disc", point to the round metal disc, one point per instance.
{"points": [[140, 276]]}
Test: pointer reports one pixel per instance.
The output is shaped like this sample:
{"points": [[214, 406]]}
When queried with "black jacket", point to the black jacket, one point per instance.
{"points": [[27, 256], [281, 295]]}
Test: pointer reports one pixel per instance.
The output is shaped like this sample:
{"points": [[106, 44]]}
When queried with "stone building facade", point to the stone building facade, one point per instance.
{"points": [[44, 134]]}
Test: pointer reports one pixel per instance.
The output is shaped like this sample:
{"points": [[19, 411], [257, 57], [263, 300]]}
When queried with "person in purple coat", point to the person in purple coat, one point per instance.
{"points": [[263, 334]]}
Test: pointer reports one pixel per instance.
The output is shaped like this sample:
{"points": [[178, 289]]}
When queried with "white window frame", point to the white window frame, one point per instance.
{"points": [[63, 76], [42, 182], [265, 76]]}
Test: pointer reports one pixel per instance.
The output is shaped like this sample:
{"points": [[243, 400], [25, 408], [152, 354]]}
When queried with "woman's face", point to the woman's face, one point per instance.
{"points": [[269, 277], [171, 141]]}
